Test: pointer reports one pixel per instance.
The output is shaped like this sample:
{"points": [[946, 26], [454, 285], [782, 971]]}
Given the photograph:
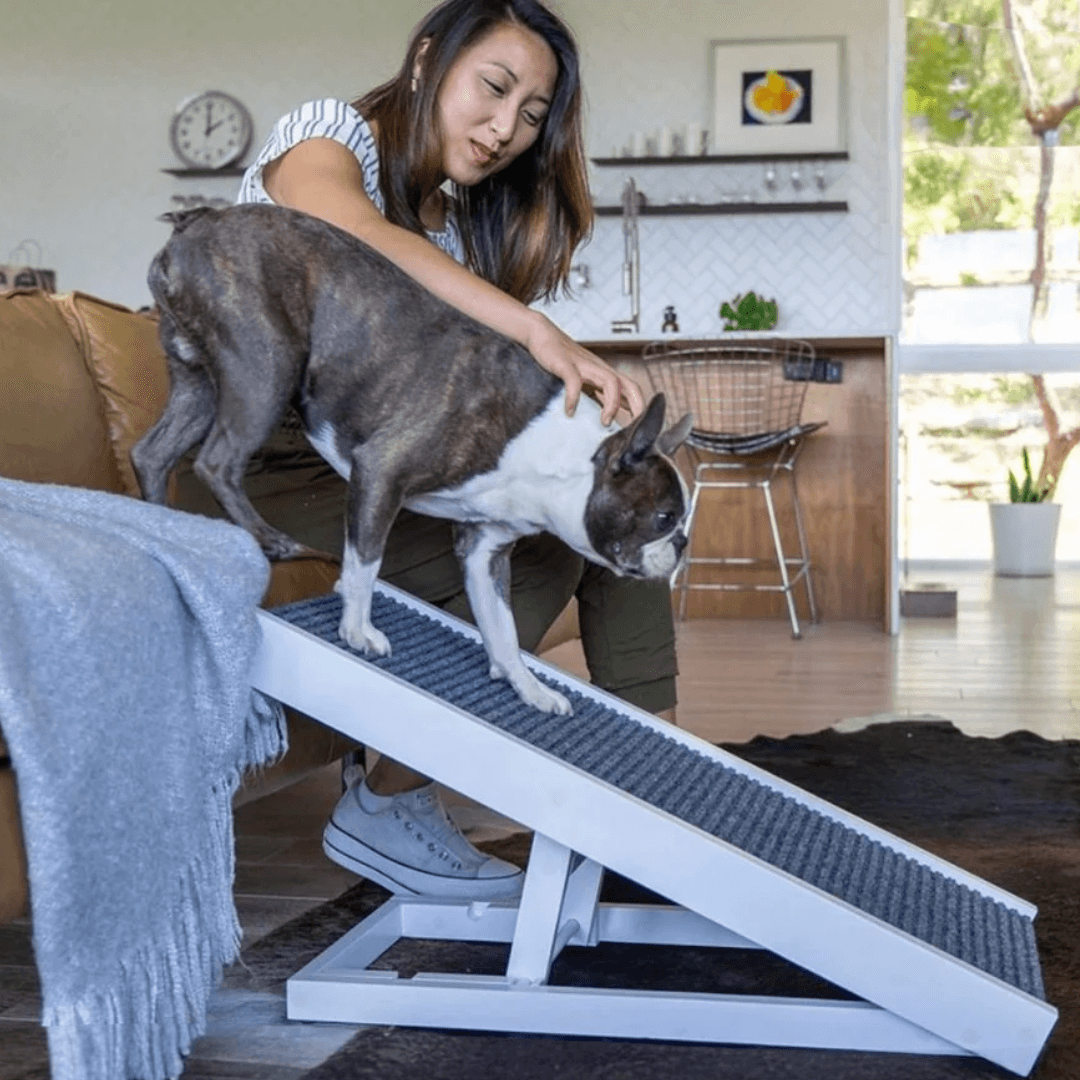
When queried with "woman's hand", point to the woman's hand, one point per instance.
{"points": [[554, 351]]}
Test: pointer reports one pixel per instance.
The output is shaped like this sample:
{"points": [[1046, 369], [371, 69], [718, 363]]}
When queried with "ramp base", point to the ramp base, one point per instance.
{"points": [[558, 908]]}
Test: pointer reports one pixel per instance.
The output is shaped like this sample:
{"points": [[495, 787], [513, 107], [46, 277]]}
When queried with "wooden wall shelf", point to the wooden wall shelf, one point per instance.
{"points": [[718, 159], [196, 174], [672, 209]]}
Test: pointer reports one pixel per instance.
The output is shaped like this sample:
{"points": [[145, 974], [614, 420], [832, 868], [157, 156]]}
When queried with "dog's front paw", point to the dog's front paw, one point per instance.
{"points": [[364, 638], [533, 692]]}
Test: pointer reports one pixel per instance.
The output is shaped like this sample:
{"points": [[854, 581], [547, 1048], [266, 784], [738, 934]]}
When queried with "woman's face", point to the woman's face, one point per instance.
{"points": [[493, 102]]}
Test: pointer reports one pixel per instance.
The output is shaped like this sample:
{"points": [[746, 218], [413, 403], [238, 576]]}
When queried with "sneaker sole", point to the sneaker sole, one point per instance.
{"points": [[404, 880]]}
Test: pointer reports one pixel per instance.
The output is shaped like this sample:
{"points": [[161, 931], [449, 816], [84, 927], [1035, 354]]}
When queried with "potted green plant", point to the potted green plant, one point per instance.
{"points": [[1025, 528], [748, 311]]}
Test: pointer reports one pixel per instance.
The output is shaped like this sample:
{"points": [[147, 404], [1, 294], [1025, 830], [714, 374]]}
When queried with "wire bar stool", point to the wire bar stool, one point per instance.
{"points": [[747, 400]]}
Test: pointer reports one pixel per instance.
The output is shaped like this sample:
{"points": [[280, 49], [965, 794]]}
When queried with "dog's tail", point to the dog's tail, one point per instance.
{"points": [[181, 219], [160, 275]]}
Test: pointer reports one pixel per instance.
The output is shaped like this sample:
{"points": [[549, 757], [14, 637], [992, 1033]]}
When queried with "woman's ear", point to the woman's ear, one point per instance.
{"points": [[418, 63]]}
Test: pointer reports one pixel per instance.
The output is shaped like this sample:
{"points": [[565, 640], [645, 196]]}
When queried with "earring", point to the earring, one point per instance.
{"points": [[413, 84]]}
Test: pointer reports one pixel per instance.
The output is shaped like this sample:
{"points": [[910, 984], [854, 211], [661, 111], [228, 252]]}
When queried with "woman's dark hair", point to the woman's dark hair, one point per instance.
{"points": [[521, 225]]}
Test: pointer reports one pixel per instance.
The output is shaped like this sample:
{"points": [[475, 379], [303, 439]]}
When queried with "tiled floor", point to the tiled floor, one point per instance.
{"points": [[1007, 661]]}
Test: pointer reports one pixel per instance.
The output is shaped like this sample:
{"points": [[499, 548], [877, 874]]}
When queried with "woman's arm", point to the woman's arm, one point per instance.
{"points": [[323, 178]]}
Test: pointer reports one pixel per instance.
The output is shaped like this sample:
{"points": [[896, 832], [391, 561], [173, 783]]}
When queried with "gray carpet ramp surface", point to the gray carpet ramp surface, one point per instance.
{"points": [[763, 822]]}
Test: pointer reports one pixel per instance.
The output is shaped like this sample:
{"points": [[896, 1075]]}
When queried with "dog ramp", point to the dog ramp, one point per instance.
{"points": [[942, 962]]}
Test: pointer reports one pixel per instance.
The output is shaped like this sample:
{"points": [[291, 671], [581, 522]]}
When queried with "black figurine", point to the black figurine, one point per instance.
{"points": [[671, 321]]}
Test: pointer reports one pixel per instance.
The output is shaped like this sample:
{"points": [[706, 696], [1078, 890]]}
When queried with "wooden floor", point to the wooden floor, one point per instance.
{"points": [[1010, 660]]}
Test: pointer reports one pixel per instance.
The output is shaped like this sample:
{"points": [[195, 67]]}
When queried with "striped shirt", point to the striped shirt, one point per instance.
{"points": [[337, 120]]}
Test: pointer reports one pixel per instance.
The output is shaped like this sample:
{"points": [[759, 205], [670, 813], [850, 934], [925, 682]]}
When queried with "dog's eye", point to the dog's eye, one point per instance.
{"points": [[665, 520]]}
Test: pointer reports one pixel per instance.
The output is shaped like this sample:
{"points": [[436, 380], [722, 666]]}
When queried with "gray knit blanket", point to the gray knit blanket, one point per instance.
{"points": [[126, 633]]}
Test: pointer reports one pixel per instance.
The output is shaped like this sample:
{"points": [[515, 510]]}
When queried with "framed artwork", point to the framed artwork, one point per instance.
{"points": [[779, 97]]}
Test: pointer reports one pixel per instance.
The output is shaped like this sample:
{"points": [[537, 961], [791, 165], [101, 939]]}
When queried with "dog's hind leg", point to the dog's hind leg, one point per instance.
{"points": [[256, 371], [221, 464], [484, 553], [186, 419]]}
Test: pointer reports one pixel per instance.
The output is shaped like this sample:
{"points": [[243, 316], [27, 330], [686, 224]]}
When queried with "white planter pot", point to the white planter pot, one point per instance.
{"points": [[1025, 535]]}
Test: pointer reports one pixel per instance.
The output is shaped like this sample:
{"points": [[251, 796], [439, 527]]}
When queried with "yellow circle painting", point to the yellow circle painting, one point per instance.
{"points": [[773, 98]]}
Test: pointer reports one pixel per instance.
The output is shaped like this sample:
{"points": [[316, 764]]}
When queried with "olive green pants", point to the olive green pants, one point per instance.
{"points": [[627, 631]]}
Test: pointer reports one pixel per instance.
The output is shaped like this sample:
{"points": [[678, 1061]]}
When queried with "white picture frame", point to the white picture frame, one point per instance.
{"points": [[813, 71]]}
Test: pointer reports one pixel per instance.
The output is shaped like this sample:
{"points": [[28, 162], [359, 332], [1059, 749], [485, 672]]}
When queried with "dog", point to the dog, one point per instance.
{"points": [[411, 401]]}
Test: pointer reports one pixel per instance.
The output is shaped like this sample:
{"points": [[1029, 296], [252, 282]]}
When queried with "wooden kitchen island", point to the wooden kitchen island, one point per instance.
{"points": [[844, 479]]}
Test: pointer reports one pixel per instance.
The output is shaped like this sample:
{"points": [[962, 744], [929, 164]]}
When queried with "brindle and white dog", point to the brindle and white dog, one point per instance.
{"points": [[410, 400]]}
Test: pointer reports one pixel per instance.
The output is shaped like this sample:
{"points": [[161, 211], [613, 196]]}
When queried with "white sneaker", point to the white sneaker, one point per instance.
{"points": [[408, 844]]}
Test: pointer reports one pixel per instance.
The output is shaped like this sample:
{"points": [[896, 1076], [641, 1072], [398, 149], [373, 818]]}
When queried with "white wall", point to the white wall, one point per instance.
{"points": [[89, 89]]}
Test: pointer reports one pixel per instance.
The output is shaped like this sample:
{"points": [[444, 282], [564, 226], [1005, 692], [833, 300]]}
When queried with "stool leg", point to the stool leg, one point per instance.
{"points": [[684, 569], [803, 547], [781, 561]]}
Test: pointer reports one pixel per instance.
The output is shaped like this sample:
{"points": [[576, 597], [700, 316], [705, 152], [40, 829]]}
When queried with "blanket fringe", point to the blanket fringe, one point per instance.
{"points": [[266, 737], [142, 1028]]}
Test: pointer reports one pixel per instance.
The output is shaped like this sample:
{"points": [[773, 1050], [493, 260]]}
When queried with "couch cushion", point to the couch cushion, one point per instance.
{"points": [[298, 579], [124, 356], [13, 885], [52, 428]]}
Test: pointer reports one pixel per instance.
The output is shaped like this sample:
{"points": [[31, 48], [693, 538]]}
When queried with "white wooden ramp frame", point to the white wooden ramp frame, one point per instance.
{"points": [[941, 961]]}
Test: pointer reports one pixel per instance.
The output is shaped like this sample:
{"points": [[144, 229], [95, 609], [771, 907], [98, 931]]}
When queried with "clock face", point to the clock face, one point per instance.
{"points": [[210, 131]]}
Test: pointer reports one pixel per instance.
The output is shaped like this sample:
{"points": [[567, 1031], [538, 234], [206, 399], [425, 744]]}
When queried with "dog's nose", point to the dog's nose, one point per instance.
{"points": [[678, 542]]}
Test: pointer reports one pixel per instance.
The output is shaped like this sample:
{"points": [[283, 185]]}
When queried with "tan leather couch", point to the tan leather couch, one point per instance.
{"points": [[80, 380]]}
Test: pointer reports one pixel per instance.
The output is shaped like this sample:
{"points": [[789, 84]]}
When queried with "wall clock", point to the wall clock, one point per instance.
{"points": [[210, 130]]}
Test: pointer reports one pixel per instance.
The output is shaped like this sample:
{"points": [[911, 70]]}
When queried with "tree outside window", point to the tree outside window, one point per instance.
{"points": [[992, 218]]}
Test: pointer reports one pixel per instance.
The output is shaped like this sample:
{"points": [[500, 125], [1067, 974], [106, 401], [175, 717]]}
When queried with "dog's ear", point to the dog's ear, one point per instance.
{"points": [[643, 433], [674, 437]]}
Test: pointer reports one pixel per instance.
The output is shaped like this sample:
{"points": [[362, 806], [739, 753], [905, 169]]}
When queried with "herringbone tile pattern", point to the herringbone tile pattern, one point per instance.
{"points": [[827, 271]]}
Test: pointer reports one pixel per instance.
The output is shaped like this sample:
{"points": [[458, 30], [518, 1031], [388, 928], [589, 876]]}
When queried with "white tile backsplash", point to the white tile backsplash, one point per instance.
{"points": [[828, 272]]}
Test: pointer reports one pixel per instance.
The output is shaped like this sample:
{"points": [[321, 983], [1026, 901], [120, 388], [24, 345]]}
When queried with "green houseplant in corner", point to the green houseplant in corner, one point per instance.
{"points": [[1025, 528]]}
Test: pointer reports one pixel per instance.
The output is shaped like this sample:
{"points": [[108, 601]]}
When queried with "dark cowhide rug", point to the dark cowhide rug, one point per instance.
{"points": [[1006, 809]]}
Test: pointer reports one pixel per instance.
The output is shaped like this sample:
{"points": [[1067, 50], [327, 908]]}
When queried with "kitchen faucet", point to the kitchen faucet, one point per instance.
{"points": [[631, 260]]}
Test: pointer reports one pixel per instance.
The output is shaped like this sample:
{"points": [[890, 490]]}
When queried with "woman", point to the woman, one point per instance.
{"points": [[487, 104]]}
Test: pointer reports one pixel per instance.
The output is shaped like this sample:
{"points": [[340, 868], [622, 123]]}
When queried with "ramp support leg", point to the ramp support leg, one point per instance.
{"points": [[558, 905]]}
